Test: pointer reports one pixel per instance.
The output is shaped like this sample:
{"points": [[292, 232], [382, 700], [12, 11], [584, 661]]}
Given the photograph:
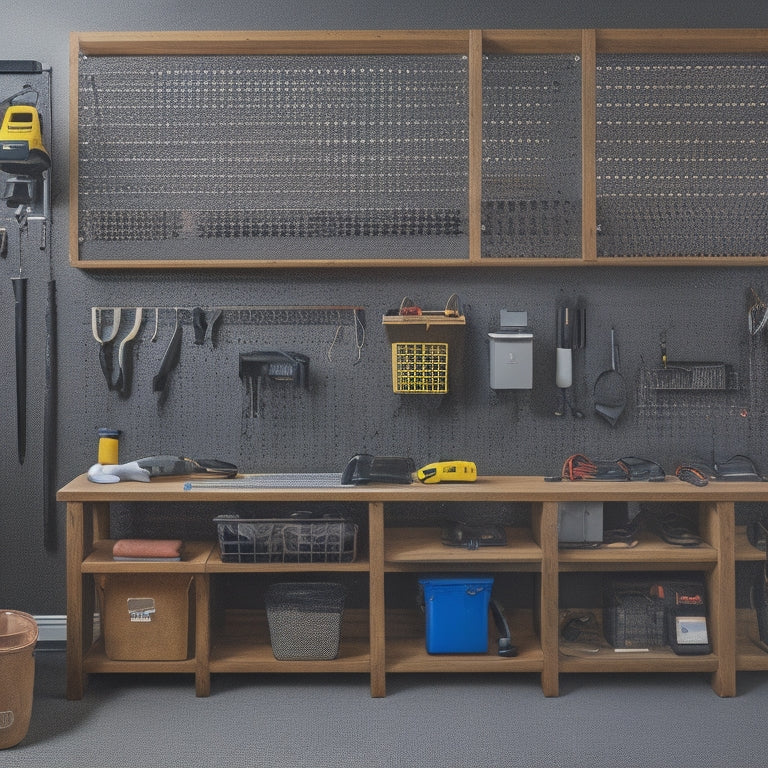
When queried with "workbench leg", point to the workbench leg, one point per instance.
{"points": [[717, 524], [202, 635], [80, 600], [376, 606], [544, 526]]}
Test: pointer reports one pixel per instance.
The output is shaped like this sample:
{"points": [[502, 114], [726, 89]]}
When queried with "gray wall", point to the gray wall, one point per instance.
{"points": [[350, 407]]}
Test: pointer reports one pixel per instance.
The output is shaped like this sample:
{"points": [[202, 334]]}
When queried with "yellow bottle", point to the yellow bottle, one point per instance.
{"points": [[108, 446]]}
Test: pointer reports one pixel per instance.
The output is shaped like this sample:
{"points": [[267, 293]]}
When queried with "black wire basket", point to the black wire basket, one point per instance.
{"points": [[286, 540]]}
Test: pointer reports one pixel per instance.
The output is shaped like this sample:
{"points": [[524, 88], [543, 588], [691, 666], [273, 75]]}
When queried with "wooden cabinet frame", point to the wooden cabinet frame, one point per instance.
{"points": [[587, 44], [376, 647]]}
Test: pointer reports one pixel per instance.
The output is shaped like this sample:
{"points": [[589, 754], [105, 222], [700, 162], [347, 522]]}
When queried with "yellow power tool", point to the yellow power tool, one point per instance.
{"points": [[448, 472], [21, 141], [22, 154]]}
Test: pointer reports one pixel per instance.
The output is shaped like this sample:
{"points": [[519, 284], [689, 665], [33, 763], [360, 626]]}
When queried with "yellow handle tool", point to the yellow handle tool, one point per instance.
{"points": [[448, 472]]}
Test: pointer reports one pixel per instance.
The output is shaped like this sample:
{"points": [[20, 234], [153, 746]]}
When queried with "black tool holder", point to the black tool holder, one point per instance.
{"points": [[25, 193], [276, 365]]}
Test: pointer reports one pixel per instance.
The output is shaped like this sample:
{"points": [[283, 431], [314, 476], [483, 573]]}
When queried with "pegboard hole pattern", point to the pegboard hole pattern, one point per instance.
{"points": [[272, 146], [682, 155], [531, 196]]}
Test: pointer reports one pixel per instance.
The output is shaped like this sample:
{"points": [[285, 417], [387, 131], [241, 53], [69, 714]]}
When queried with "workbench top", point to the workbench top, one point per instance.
{"points": [[487, 488]]}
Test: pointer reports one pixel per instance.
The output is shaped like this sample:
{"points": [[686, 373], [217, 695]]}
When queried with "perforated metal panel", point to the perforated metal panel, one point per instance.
{"points": [[272, 147], [531, 186], [682, 155]]}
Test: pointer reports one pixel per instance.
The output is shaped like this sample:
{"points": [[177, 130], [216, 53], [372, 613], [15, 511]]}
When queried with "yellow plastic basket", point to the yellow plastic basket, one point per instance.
{"points": [[419, 368]]}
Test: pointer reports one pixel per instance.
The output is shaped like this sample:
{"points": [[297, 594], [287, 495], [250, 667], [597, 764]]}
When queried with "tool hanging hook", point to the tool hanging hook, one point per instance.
{"points": [[359, 335], [757, 316], [123, 382], [157, 324]]}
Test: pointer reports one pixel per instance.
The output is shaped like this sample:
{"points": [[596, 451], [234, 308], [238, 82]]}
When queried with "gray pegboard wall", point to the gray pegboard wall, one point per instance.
{"points": [[349, 406]]}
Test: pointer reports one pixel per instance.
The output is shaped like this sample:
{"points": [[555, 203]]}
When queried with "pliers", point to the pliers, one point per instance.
{"points": [[105, 342], [120, 384]]}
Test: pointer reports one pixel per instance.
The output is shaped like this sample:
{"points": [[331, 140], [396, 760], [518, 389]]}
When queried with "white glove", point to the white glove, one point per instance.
{"points": [[114, 473]]}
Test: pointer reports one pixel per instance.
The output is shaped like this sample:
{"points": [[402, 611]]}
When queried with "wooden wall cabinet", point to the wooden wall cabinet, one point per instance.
{"points": [[542, 178]]}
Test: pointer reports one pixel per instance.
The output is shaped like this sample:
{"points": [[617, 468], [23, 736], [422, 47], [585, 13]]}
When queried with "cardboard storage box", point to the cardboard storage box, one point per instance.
{"points": [[456, 611], [146, 616]]}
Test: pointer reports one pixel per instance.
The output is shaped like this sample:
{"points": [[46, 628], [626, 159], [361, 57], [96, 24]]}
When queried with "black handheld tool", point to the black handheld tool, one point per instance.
{"points": [[170, 359], [50, 410], [106, 341], [20, 296], [20, 312], [199, 324], [49, 422]]}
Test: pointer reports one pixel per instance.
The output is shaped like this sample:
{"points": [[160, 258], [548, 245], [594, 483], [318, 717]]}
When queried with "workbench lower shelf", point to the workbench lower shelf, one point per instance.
{"points": [[242, 644], [96, 661], [655, 660], [406, 651], [750, 656]]}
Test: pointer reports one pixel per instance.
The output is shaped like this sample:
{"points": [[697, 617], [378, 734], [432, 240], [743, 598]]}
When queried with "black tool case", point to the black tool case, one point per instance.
{"points": [[653, 612]]}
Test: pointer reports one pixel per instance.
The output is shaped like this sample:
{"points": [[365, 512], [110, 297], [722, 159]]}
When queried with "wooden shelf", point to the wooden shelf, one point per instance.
{"points": [[409, 655], [651, 553], [378, 639], [242, 644], [97, 661], [194, 559], [406, 650], [407, 321], [654, 660], [241, 656], [413, 547]]}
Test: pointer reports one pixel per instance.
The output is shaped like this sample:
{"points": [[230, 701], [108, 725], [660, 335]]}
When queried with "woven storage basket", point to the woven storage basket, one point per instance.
{"points": [[305, 620]]}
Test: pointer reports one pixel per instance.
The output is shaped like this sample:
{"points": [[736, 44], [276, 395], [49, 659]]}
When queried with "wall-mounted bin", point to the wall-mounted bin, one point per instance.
{"points": [[710, 376], [420, 368]]}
